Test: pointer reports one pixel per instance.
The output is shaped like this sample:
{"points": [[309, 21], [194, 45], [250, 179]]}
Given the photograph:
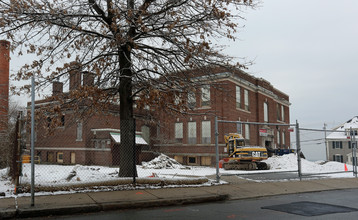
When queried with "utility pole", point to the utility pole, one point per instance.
{"points": [[325, 140]]}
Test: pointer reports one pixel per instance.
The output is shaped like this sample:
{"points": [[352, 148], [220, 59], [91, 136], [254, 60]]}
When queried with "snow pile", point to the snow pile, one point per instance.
{"points": [[289, 162], [163, 162]]}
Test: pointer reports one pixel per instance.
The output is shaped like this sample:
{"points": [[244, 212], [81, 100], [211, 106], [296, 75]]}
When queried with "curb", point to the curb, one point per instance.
{"points": [[39, 212], [11, 213]]}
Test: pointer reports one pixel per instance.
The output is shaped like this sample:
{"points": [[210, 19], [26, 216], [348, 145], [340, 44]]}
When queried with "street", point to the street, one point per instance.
{"points": [[318, 205]]}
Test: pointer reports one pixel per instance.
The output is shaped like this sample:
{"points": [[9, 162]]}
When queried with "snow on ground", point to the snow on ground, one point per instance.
{"points": [[161, 167], [163, 162]]}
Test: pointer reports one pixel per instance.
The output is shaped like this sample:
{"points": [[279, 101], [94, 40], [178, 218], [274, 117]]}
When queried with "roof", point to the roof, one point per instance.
{"points": [[138, 138], [340, 130]]}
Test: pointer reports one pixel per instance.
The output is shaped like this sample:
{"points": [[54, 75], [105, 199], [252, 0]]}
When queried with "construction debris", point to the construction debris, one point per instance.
{"points": [[163, 162]]}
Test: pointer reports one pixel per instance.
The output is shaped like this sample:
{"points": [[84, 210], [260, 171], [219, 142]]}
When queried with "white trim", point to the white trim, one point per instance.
{"points": [[71, 148]]}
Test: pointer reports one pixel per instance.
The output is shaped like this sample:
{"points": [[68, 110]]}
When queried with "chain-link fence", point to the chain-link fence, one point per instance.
{"points": [[322, 145], [331, 153], [73, 152], [248, 146], [78, 151]]}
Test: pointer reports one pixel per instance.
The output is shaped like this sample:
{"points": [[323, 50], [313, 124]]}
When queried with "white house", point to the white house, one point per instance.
{"points": [[339, 142]]}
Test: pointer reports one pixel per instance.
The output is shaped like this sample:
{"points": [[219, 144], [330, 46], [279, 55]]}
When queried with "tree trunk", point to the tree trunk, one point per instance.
{"points": [[127, 123]]}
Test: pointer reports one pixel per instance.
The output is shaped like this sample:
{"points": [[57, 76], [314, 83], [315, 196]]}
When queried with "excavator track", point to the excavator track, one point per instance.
{"points": [[245, 166]]}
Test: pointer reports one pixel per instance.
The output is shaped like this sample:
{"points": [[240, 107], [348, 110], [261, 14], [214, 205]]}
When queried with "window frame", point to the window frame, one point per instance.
{"points": [[206, 139], [238, 97], [79, 131], [192, 132], [205, 96], [266, 112], [178, 131], [246, 100]]}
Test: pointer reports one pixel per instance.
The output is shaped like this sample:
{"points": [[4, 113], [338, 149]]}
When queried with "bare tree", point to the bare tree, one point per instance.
{"points": [[133, 47], [7, 135]]}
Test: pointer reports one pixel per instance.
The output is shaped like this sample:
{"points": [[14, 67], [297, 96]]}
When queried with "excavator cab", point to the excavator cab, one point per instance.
{"points": [[240, 143]]}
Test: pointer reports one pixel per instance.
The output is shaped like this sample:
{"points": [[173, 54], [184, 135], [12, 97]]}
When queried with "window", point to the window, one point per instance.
{"points": [[283, 138], [239, 128], [246, 94], [205, 132], [96, 144], [278, 111], [192, 133], [63, 120], [191, 160], [73, 158], [103, 144], [350, 144], [354, 132], [337, 144], [79, 131], [179, 131], [278, 138], [191, 100], [238, 97], [247, 131], [338, 158], [282, 113], [265, 112], [205, 95], [145, 133], [59, 157]]}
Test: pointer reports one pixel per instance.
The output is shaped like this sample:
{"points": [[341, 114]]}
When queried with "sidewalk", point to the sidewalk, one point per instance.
{"points": [[102, 201]]}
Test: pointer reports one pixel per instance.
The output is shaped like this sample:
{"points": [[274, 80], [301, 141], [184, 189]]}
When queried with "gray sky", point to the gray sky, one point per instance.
{"points": [[309, 50]]}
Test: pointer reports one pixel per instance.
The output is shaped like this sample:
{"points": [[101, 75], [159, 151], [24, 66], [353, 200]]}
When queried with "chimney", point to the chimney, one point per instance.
{"points": [[4, 83], [57, 88], [75, 76], [88, 79]]}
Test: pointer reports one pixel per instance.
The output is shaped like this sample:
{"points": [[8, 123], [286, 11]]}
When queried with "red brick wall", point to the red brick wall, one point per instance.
{"points": [[223, 98], [4, 82]]}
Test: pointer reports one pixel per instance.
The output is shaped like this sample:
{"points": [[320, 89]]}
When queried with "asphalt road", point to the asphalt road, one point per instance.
{"points": [[336, 204]]}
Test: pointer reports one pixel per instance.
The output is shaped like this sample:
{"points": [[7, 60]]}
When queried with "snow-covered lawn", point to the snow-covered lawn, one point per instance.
{"points": [[161, 167]]}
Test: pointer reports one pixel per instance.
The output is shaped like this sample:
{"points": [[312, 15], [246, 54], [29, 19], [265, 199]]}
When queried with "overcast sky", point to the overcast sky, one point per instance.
{"points": [[309, 50]]}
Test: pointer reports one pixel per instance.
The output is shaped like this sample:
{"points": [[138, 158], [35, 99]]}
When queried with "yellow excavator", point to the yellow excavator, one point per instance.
{"points": [[243, 157]]}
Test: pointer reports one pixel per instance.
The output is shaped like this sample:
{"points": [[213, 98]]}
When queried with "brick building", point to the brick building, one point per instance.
{"points": [[90, 140], [4, 83], [229, 94], [235, 96]]}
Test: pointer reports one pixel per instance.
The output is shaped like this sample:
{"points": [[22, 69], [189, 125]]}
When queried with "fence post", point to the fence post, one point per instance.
{"points": [[32, 140], [298, 146], [325, 140], [134, 152], [354, 156], [217, 149]]}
